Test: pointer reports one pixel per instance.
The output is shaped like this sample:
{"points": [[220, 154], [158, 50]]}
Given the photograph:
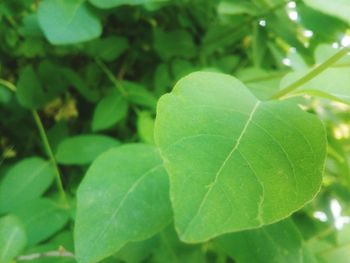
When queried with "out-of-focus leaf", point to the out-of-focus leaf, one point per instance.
{"points": [[41, 219], [83, 149], [12, 238], [145, 127], [115, 3], [68, 22], [25, 181], [108, 49], [109, 111], [177, 43], [279, 242]]}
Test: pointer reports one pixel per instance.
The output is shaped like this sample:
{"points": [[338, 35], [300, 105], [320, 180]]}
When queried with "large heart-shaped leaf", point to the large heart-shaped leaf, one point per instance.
{"points": [[235, 162], [123, 197]]}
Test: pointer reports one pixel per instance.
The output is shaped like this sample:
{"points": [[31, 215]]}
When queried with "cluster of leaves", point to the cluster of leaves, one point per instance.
{"points": [[96, 167]]}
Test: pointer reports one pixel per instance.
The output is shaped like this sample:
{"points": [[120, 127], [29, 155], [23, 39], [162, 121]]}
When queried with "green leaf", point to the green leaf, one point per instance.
{"points": [[67, 21], [12, 238], [126, 191], [226, 7], [41, 219], [115, 3], [138, 94], [263, 84], [108, 49], [145, 127], [30, 93], [135, 252], [177, 43], [109, 111], [5, 95], [337, 8], [280, 242], [172, 250], [83, 149], [235, 162], [25, 181], [81, 85]]}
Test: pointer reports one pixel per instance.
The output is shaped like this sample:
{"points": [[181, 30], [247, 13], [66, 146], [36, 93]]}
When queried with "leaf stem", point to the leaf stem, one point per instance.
{"points": [[312, 74], [46, 143], [111, 77], [50, 154], [8, 85]]}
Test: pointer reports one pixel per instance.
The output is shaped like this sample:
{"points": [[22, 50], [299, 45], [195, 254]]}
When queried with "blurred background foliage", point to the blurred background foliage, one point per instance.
{"points": [[90, 72]]}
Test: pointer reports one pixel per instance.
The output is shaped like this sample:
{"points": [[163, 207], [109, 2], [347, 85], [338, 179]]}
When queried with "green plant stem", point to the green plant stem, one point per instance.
{"points": [[45, 141], [8, 85], [311, 74], [111, 77], [50, 154]]}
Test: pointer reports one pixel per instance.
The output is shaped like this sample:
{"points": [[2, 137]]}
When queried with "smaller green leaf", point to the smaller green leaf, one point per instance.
{"points": [[170, 249], [30, 93], [139, 95], [109, 111], [145, 127], [236, 8], [162, 79], [107, 49], [280, 242], [83, 149], [5, 95], [68, 22], [12, 238], [124, 197], [25, 181], [263, 84], [41, 219], [135, 252], [115, 3], [81, 85], [177, 43]]}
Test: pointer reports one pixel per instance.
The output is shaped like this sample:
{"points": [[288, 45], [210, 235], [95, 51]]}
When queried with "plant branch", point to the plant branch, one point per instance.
{"points": [[311, 74], [8, 85], [50, 154], [46, 143], [61, 252]]}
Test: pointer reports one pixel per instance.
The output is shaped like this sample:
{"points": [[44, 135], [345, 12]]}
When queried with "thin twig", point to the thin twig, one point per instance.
{"points": [[61, 252], [311, 74], [50, 154], [46, 143]]}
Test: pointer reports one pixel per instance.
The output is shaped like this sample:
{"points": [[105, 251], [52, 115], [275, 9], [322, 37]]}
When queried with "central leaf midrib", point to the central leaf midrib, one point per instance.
{"points": [[213, 183]]}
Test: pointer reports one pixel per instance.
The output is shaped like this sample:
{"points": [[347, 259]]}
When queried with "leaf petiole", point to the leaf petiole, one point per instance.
{"points": [[311, 74]]}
